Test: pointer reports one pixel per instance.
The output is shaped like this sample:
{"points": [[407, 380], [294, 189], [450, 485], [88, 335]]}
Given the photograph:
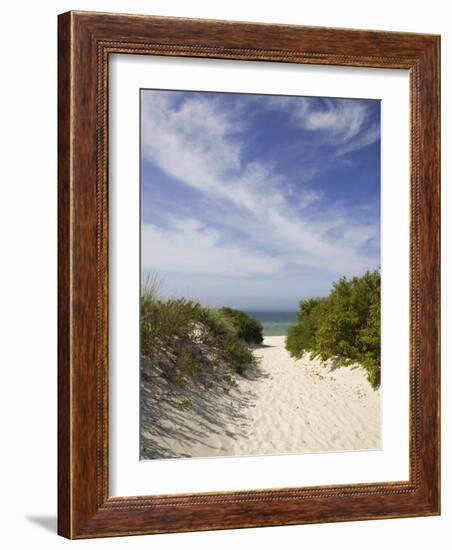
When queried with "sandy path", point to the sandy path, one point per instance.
{"points": [[283, 406], [304, 406]]}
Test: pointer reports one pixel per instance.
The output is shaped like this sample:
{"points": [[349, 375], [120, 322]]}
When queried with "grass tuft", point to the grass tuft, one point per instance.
{"points": [[190, 339]]}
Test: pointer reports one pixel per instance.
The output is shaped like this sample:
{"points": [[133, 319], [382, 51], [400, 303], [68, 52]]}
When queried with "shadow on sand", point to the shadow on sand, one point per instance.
{"points": [[177, 418], [335, 363]]}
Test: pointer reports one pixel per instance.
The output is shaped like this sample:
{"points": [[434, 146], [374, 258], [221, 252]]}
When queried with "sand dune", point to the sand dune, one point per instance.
{"points": [[281, 406]]}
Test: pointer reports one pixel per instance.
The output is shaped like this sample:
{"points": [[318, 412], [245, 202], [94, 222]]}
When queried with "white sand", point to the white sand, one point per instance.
{"points": [[282, 406]]}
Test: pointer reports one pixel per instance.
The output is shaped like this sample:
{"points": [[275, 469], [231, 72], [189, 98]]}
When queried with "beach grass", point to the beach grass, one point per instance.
{"points": [[191, 338]]}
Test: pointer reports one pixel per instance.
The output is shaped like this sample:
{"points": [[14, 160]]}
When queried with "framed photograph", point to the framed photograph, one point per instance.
{"points": [[248, 275]]}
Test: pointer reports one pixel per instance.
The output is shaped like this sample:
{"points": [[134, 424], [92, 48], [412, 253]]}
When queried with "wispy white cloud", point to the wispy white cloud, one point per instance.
{"points": [[201, 145], [367, 137], [189, 246], [308, 196], [343, 123]]}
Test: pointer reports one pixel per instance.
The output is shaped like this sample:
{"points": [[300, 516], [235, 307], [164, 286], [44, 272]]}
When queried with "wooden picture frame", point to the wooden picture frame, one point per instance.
{"points": [[85, 42]]}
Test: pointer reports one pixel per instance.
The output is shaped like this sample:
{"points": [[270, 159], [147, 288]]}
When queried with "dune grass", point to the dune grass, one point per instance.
{"points": [[191, 337]]}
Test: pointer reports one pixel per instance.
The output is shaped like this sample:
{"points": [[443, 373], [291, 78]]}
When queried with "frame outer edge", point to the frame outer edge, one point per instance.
{"points": [[427, 235], [64, 276], [433, 176], [438, 145]]}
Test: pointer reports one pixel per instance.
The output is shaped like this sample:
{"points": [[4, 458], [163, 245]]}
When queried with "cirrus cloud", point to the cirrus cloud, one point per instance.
{"points": [[284, 225]]}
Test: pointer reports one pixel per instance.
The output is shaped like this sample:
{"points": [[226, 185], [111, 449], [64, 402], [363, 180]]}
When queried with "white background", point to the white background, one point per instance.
{"points": [[128, 476], [28, 271]]}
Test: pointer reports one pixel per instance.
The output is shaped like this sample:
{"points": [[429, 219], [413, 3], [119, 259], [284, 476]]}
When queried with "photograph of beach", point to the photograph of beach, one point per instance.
{"points": [[260, 274]]}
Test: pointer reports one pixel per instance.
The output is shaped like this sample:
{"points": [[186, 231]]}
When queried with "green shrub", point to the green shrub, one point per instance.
{"points": [[301, 337], [248, 328], [345, 325]]}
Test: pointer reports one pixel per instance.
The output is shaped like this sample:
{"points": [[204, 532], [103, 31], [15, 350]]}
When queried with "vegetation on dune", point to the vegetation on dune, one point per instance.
{"points": [[191, 339], [344, 325], [247, 328]]}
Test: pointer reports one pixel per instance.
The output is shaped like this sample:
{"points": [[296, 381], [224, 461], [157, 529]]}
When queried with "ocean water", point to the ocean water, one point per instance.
{"points": [[275, 323]]}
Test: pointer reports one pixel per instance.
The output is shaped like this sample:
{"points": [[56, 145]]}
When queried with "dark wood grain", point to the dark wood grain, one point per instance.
{"points": [[64, 295], [85, 42]]}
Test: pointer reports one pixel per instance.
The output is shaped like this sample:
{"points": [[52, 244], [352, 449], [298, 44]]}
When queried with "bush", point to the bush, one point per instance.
{"points": [[247, 328], [345, 325], [301, 337]]}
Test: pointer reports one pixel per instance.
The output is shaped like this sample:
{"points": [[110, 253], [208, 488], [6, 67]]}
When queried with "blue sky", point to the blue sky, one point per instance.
{"points": [[257, 201]]}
